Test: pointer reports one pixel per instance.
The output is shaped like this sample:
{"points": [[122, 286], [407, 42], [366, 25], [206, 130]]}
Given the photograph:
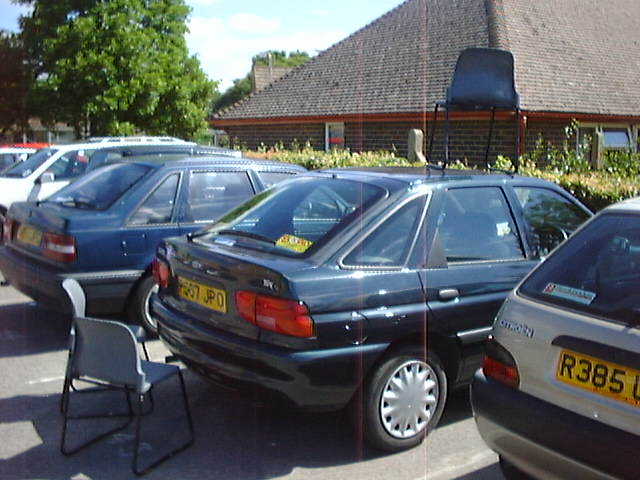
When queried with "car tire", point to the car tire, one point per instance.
{"points": [[139, 310], [511, 472], [418, 387]]}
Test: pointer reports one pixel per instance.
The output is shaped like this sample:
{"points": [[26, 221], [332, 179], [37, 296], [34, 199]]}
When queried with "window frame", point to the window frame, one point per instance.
{"points": [[327, 138], [373, 228], [187, 182], [174, 211], [600, 127]]}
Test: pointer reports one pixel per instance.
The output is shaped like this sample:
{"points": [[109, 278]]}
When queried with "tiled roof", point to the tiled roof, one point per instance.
{"points": [[571, 56]]}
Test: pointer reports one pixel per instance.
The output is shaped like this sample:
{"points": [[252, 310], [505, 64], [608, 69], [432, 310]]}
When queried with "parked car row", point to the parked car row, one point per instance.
{"points": [[372, 289]]}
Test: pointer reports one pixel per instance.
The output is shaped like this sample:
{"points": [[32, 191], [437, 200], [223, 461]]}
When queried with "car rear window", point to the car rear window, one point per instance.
{"points": [[297, 216], [100, 188], [26, 168], [269, 179], [597, 271]]}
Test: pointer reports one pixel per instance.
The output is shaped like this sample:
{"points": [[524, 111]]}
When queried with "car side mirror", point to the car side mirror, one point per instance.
{"points": [[47, 177]]}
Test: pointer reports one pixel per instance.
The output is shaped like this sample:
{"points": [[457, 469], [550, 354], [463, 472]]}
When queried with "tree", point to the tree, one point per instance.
{"points": [[242, 87], [14, 81], [116, 67]]}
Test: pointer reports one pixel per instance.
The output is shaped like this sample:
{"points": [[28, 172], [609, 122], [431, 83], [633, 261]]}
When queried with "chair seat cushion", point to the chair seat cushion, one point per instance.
{"points": [[139, 332], [156, 372]]}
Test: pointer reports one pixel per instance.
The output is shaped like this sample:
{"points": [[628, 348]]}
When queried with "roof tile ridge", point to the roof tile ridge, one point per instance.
{"points": [[311, 61], [496, 24]]}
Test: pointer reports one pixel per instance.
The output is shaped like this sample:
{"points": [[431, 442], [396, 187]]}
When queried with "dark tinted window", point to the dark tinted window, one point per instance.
{"points": [[390, 242], [158, 207], [271, 178], [597, 271], [476, 225], [100, 188], [550, 218], [298, 215], [212, 194]]}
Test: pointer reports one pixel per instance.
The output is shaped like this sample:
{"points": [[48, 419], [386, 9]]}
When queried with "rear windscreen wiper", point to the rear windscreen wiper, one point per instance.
{"points": [[242, 233]]}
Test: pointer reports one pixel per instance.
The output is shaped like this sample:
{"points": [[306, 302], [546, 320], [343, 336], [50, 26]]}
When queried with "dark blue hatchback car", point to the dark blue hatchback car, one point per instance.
{"points": [[103, 229], [371, 287]]}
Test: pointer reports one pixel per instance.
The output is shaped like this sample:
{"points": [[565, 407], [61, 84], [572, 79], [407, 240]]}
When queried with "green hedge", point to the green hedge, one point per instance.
{"points": [[596, 189]]}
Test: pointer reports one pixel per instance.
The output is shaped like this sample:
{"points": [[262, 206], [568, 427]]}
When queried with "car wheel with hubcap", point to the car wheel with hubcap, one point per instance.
{"points": [[139, 310], [404, 399]]}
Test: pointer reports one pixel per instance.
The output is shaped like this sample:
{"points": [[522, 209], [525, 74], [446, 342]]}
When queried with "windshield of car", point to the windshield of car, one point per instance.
{"points": [[597, 271], [101, 188], [31, 164], [309, 212]]}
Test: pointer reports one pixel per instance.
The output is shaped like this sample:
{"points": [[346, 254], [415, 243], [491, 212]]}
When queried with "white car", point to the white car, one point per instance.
{"points": [[52, 168], [559, 393]]}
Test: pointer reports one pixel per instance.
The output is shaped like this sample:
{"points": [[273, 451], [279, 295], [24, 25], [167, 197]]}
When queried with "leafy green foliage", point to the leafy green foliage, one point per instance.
{"points": [[14, 79], [116, 67], [596, 189], [282, 58], [242, 87]]}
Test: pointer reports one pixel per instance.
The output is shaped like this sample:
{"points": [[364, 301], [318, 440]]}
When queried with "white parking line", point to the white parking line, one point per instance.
{"points": [[45, 380]]}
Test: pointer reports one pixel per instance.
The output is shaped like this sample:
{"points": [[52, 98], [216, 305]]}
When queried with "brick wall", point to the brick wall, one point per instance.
{"points": [[254, 136], [468, 139]]}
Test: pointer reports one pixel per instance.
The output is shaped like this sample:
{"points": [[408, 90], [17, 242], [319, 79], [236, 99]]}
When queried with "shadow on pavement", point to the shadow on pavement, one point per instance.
{"points": [[490, 472], [235, 438], [458, 407], [26, 329]]}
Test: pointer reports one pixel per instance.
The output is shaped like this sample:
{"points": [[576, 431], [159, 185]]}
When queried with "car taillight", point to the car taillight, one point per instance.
{"points": [[7, 229], [61, 248], [161, 272], [500, 365], [280, 315]]}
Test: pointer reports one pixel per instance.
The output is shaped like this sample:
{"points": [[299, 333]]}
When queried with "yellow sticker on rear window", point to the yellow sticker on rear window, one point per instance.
{"points": [[294, 243]]}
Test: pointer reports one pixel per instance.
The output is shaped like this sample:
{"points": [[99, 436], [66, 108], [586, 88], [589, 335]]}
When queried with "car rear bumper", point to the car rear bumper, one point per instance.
{"points": [[547, 441], [106, 292], [316, 380]]}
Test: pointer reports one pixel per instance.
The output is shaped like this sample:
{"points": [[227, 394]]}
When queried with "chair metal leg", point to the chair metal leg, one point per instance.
{"points": [[144, 349], [96, 439], [136, 446]]}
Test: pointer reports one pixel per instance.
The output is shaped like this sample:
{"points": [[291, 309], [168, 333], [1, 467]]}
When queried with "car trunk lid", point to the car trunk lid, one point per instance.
{"points": [[583, 363], [205, 280]]}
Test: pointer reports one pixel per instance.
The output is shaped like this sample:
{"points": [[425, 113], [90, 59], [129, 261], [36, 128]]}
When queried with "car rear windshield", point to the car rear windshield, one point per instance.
{"points": [[26, 168], [297, 216], [99, 189], [597, 271]]}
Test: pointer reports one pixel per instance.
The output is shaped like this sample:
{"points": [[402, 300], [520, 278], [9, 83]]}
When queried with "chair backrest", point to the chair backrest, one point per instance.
{"points": [[76, 295], [484, 78], [106, 350]]}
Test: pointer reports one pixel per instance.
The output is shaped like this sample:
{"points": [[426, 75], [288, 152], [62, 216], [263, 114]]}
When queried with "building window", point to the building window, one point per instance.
{"points": [[593, 140], [334, 136]]}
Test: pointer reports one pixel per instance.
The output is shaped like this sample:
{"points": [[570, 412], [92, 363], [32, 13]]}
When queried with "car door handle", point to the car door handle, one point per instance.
{"points": [[448, 294]]}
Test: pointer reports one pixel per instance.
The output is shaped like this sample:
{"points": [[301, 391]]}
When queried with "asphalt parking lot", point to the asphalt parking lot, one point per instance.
{"points": [[236, 437]]}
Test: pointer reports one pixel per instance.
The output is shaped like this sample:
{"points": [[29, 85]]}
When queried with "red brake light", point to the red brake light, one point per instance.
{"points": [[280, 315], [500, 365], [161, 272], [61, 248]]}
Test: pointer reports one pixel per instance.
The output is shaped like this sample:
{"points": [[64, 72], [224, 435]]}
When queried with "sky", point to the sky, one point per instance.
{"points": [[226, 34]]}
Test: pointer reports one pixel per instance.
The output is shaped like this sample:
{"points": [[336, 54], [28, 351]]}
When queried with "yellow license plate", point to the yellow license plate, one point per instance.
{"points": [[204, 295], [29, 235], [604, 378]]}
